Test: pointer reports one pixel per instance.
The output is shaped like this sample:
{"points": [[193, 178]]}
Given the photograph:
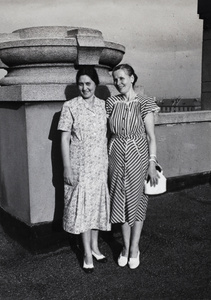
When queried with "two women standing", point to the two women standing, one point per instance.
{"points": [[132, 155]]}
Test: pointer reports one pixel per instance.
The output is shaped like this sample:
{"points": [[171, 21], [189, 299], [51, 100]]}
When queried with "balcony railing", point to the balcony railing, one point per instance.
{"points": [[179, 105]]}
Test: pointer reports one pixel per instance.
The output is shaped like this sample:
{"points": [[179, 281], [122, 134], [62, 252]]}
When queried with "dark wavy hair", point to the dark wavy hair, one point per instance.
{"points": [[89, 71], [128, 69]]}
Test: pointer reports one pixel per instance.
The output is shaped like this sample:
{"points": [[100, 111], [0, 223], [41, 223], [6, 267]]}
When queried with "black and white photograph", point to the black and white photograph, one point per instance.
{"points": [[105, 149]]}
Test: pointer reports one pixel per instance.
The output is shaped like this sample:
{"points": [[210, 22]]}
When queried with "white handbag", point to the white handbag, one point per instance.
{"points": [[159, 188]]}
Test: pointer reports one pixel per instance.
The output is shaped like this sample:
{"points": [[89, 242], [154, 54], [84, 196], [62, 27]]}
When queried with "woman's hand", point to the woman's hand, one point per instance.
{"points": [[153, 174], [68, 177]]}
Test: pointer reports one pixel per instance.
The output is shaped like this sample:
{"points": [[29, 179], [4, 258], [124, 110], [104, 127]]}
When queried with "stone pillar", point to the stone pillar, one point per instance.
{"points": [[204, 11], [42, 63]]}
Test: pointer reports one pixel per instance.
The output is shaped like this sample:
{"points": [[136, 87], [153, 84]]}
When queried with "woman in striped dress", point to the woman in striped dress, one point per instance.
{"points": [[132, 157]]}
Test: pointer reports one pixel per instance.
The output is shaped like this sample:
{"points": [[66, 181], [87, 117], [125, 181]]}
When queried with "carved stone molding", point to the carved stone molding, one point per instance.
{"points": [[52, 54]]}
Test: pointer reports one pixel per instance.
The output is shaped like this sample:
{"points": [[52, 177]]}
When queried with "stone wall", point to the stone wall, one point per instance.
{"points": [[183, 141]]}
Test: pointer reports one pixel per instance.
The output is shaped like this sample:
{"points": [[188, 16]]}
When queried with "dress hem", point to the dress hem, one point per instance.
{"points": [[93, 228]]}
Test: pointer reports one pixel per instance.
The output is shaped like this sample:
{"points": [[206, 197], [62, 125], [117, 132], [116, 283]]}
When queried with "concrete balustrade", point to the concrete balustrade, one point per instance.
{"points": [[184, 149]]}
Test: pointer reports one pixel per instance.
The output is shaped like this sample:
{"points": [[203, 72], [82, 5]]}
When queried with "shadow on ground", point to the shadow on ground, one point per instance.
{"points": [[175, 256]]}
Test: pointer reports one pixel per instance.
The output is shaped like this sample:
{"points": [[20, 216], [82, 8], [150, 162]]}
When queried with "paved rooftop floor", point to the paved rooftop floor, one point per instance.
{"points": [[175, 257]]}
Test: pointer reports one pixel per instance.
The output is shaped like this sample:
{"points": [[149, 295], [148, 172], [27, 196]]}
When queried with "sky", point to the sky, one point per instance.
{"points": [[163, 38]]}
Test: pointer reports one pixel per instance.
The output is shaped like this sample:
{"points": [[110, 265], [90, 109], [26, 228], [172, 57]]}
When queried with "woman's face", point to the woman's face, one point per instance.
{"points": [[86, 86], [122, 81]]}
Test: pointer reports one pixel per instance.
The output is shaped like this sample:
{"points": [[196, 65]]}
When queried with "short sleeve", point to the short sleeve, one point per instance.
{"points": [[66, 119], [149, 105], [109, 107]]}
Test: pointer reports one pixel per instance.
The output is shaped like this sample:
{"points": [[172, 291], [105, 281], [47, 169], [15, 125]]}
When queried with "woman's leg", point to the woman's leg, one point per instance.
{"points": [[86, 239], [126, 233], [95, 248], [94, 241], [135, 238]]}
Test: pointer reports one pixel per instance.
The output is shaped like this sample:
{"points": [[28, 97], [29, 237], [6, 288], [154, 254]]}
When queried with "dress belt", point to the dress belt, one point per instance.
{"points": [[128, 136]]}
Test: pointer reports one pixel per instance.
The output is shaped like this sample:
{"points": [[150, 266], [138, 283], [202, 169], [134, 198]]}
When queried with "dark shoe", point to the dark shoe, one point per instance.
{"points": [[100, 258], [88, 268]]}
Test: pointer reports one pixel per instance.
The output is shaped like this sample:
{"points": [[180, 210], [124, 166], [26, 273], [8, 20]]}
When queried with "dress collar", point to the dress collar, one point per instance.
{"points": [[87, 105]]}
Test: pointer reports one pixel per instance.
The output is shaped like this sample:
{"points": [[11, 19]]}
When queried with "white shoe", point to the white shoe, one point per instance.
{"points": [[134, 262], [100, 258], [122, 260], [88, 268]]}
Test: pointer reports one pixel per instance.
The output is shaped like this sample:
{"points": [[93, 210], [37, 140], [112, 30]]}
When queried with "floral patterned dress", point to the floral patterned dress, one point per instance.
{"points": [[86, 201]]}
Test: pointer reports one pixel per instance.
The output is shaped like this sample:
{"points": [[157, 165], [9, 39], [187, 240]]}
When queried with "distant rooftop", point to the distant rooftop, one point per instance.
{"points": [[179, 104]]}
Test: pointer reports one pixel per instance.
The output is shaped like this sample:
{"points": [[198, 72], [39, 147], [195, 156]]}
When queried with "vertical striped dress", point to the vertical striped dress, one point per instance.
{"points": [[128, 157]]}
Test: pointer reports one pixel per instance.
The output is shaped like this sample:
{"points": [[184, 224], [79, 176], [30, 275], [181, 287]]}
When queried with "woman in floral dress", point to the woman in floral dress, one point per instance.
{"points": [[132, 155], [84, 153]]}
